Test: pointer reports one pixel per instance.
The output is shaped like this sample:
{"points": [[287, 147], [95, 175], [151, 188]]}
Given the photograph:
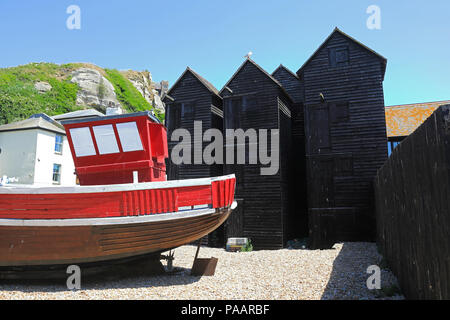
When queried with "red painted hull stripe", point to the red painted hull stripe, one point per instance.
{"points": [[115, 204]]}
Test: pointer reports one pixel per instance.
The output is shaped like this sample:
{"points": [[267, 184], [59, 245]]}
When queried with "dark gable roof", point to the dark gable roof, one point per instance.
{"points": [[281, 68], [337, 30], [202, 80], [248, 60], [205, 82]]}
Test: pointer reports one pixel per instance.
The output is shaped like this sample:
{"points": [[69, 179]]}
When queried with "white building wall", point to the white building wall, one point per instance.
{"points": [[68, 177], [46, 157], [17, 156]]}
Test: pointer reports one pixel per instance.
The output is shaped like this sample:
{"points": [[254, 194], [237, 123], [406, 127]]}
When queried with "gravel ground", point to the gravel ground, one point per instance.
{"points": [[338, 273]]}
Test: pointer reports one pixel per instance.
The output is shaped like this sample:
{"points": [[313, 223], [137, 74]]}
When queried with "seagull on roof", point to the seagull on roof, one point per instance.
{"points": [[248, 55], [322, 97]]}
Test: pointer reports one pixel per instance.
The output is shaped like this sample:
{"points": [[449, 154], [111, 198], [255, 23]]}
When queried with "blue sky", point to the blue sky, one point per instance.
{"points": [[213, 36]]}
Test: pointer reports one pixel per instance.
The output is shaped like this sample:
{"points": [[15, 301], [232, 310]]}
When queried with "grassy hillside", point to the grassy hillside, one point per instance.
{"points": [[19, 99], [130, 98]]}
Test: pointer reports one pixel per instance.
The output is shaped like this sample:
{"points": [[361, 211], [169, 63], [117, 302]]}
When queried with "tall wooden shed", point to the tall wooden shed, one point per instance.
{"points": [[253, 99], [292, 84], [192, 98], [346, 140]]}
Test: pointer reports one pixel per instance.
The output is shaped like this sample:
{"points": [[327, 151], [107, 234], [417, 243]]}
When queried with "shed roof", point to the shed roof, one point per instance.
{"points": [[33, 123], [248, 60], [402, 120], [208, 85], [281, 67], [335, 31]]}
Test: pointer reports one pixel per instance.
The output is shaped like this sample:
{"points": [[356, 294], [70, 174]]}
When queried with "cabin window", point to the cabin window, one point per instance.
{"points": [[232, 113], [129, 136], [339, 112], [82, 142], [106, 139], [58, 143], [173, 116], [187, 111], [250, 103], [56, 173], [338, 57]]}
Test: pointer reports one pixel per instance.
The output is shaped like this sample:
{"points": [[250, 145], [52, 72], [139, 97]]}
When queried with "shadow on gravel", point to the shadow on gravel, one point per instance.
{"points": [[341, 266], [132, 274], [348, 279], [349, 275]]}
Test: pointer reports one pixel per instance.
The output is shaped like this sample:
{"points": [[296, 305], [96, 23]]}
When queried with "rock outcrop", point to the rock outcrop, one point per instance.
{"points": [[42, 86], [151, 91], [160, 89], [95, 90]]}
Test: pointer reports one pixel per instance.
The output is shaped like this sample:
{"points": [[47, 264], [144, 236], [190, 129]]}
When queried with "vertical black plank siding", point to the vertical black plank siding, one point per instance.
{"points": [[332, 138], [253, 99], [194, 99], [345, 138], [292, 84], [413, 204]]}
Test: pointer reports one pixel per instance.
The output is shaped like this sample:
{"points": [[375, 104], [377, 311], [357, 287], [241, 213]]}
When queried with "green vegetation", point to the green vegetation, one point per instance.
{"points": [[248, 247], [101, 89], [130, 98], [19, 99]]}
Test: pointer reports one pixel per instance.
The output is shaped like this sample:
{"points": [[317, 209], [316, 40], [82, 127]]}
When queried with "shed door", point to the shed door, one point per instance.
{"points": [[317, 129], [321, 182]]}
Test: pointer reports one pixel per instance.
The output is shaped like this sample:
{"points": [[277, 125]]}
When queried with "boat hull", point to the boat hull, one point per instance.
{"points": [[77, 241], [83, 224]]}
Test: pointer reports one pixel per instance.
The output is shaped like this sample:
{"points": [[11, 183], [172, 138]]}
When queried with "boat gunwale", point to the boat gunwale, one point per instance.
{"points": [[33, 189]]}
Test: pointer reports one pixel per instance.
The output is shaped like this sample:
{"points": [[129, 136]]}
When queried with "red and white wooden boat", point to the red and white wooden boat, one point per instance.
{"points": [[123, 206]]}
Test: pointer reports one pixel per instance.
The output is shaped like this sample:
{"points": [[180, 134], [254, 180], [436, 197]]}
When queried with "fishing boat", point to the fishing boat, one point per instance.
{"points": [[123, 206]]}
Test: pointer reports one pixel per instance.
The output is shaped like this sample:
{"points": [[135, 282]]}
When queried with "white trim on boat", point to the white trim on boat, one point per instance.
{"points": [[22, 189], [105, 221]]}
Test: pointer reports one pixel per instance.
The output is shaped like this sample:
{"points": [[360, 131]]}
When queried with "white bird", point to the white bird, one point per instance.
{"points": [[322, 97], [248, 55]]}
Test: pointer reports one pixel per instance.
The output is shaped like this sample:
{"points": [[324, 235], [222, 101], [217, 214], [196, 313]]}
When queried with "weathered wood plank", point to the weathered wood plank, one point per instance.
{"points": [[345, 140], [412, 206]]}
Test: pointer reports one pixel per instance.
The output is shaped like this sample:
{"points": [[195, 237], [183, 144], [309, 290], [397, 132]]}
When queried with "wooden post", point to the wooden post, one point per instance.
{"points": [[205, 266], [198, 249]]}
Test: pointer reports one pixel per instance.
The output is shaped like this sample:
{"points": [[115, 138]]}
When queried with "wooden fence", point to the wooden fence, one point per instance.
{"points": [[412, 195]]}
